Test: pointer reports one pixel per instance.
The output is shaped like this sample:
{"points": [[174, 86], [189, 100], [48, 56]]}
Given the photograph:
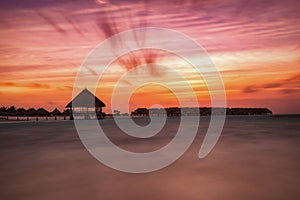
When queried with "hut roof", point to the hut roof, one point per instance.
{"points": [[86, 99], [21, 110], [31, 111], [56, 112], [141, 111], [42, 111]]}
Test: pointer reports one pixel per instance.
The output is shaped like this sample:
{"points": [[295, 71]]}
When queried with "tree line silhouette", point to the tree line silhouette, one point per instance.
{"points": [[14, 111]]}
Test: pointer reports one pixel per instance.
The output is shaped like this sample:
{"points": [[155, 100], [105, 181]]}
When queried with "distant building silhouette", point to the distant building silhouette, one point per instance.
{"points": [[31, 112], [42, 112], [56, 112], [203, 111]]}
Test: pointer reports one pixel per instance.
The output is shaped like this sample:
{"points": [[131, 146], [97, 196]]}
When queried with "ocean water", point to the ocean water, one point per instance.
{"points": [[256, 157]]}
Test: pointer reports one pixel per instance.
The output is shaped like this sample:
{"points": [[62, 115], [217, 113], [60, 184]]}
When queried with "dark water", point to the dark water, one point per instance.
{"points": [[255, 158]]}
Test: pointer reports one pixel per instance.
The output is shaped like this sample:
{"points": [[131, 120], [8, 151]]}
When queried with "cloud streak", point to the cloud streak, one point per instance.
{"points": [[293, 80], [24, 85]]}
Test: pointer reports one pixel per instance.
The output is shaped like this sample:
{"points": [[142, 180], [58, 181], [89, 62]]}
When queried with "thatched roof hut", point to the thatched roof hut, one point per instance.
{"points": [[42, 112], [21, 111], [31, 111], [67, 112], [87, 100], [140, 112], [56, 112], [87, 105]]}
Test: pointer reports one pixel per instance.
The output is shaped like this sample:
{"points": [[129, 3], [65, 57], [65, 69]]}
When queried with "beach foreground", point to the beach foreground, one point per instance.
{"points": [[257, 157]]}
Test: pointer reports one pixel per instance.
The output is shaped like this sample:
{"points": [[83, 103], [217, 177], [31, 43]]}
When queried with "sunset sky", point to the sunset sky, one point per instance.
{"points": [[255, 44]]}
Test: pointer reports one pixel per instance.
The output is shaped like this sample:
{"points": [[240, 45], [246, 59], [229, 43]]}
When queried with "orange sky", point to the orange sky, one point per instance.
{"points": [[254, 46]]}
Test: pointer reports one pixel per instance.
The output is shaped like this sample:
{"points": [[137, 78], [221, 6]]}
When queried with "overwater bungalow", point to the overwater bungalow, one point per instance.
{"points": [[42, 112], [55, 112], [141, 112], [157, 112], [21, 111], [86, 106], [173, 111], [203, 111], [31, 112]]}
